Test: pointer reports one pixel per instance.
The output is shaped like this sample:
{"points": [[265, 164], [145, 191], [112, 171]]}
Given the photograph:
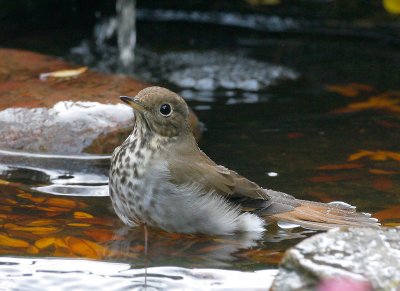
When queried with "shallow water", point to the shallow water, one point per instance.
{"points": [[318, 118]]}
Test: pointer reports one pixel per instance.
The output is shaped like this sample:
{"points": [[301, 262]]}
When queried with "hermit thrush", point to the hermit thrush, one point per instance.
{"points": [[159, 177]]}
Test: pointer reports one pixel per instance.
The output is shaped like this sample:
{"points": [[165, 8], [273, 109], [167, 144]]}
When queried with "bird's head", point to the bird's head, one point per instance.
{"points": [[161, 110]]}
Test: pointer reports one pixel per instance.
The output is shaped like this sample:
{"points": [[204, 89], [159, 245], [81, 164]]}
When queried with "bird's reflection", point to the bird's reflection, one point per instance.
{"points": [[197, 250]]}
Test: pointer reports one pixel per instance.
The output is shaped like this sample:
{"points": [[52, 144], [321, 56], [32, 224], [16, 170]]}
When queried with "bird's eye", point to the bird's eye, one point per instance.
{"points": [[165, 109]]}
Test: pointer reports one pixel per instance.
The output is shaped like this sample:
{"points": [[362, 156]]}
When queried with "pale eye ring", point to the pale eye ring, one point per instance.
{"points": [[165, 109]]}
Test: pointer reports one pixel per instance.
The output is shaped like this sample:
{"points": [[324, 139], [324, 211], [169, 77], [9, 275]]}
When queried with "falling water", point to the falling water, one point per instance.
{"points": [[126, 31]]}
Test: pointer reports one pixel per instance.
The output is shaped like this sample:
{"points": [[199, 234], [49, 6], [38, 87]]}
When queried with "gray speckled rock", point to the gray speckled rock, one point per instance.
{"points": [[360, 254]]}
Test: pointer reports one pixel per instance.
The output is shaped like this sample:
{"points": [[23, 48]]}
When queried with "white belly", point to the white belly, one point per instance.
{"points": [[183, 208]]}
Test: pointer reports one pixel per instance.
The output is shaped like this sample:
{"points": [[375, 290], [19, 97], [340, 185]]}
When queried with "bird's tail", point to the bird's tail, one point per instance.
{"points": [[315, 215]]}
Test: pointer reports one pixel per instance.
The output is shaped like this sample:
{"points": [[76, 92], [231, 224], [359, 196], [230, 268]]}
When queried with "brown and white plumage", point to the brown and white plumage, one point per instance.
{"points": [[160, 177]]}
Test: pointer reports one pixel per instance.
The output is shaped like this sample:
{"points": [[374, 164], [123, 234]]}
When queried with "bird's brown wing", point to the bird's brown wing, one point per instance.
{"points": [[196, 167], [272, 205]]}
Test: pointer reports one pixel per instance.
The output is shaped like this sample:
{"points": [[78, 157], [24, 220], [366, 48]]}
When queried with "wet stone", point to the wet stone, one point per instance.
{"points": [[359, 256], [68, 115]]}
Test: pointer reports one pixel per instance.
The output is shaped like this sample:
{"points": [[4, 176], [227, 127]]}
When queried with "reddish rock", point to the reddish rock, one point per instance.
{"points": [[62, 115]]}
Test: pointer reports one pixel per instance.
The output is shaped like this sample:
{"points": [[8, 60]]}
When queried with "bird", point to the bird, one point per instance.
{"points": [[160, 178]]}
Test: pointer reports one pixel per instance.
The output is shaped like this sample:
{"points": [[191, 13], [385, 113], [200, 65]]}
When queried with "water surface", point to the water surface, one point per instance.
{"points": [[314, 117]]}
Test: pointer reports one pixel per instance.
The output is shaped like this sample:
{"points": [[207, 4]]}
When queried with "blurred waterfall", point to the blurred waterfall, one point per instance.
{"points": [[126, 31]]}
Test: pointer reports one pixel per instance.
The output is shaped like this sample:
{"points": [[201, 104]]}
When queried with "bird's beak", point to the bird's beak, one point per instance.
{"points": [[133, 102]]}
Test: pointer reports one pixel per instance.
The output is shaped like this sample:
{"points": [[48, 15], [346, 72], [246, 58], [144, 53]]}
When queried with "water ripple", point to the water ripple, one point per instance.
{"points": [[72, 274]]}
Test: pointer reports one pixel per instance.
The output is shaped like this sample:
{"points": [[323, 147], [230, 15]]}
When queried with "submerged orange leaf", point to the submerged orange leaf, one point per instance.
{"points": [[102, 235], [264, 256], [62, 202], [32, 250], [51, 208], [345, 90], [39, 222], [59, 242], [375, 155], [80, 214], [376, 102], [77, 224], [45, 242], [7, 241], [85, 248], [63, 251], [5, 208], [349, 90], [32, 229], [31, 198]]}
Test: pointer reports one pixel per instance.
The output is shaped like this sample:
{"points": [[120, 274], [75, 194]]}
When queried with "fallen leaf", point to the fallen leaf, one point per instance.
{"points": [[389, 213], [80, 214], [382, 172], [62, 202], [345, 90], [340, 166], [375, 155], [45, 242], [63, 252], [5, 208], [79, 224], [264, 256], [33, 229], [51, 208], [380, 102], [85, 248], [63, 74], [4, 182], [100, 221], [349, 90], [7, 241], [23, 235], [102, 235], [39, 222], [59, 242], [32, 250]]}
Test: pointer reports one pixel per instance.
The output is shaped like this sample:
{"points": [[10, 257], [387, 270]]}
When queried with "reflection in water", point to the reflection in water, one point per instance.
{"points": [[212, 70], [34, 223], [84, 175], [201, 71], [61, 274], [253, 21]]}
